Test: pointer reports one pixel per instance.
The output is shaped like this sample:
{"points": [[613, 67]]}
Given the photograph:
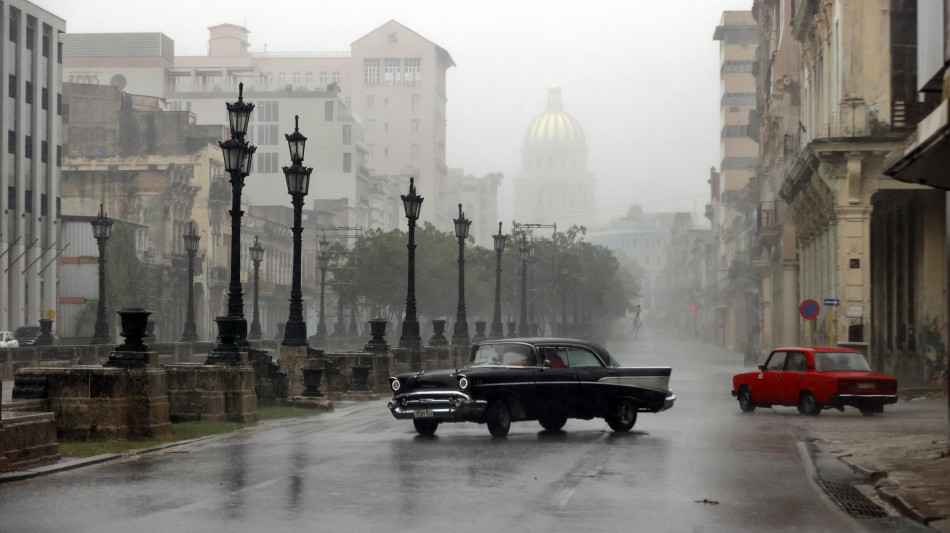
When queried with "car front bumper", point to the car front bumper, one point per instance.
{"points": [[448, 406]]}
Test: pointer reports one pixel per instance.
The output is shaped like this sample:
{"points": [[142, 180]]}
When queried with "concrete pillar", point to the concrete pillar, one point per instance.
{"points": [[853, 261]]}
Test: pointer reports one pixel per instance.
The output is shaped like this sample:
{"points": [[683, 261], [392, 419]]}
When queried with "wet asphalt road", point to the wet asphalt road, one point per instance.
{"points": [[358, 469]]}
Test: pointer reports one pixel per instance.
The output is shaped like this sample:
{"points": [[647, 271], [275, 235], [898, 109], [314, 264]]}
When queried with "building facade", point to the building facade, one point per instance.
{"points": [[29, 179], [554, 185]]}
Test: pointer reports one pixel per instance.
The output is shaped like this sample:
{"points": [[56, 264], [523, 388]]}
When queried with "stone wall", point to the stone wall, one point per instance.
{"points": [[211, 392]]}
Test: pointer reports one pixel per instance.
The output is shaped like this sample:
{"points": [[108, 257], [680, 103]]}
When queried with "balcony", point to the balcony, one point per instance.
{"points": [[768, 228]]}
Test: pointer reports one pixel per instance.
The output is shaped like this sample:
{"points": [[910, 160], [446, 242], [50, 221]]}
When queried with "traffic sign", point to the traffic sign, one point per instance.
{"points": [[832, 302], [809, 309]]}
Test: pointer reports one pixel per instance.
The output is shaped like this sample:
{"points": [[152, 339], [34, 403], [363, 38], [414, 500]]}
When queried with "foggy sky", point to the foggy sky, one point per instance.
{"points": [[641, 77]]}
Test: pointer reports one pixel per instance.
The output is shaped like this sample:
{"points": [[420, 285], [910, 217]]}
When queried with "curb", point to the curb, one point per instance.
{"points": [[59, 466]]}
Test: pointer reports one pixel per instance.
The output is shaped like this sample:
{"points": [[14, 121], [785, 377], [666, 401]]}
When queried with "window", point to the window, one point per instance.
{"points": [[796, 362], [371, 72], [28, 97], [28, 147], [347, 162], [11, 197], [391, 71], [370, 151], [371, 126], [579, 358], [309, 79], [28, 200], [44, 99], [347, 133], [776, 362], [324, 79], [328, 111], [268, 112], [281, 78], [30, 31], [370, 101], [336, 78], [44, 209], [11, 86], [296, 78], [415, 101], [415, 126], [266, 163], [413, 70], [14, 24], [59, 155], [47, 31], [44, 152], [415, 152]]}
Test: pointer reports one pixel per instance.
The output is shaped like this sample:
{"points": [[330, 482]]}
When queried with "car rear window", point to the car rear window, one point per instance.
{"points": [[504, 354], [832, 361]]}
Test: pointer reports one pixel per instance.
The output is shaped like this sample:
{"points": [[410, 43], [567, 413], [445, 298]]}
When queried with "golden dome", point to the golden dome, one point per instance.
{"points": [[555, 125]]}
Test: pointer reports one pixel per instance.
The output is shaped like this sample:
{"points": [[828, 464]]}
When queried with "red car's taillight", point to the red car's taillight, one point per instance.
{"points": [[888, 387]]}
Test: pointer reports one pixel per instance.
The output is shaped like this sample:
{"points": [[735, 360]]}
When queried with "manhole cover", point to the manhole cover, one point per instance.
{"points": [[851, 501]]}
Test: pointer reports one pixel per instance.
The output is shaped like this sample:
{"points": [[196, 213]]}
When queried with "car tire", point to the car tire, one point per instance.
{"points": [[746, 403], [499, 418], [553, 422], [807, 404], [425, 427], [624, 415]]}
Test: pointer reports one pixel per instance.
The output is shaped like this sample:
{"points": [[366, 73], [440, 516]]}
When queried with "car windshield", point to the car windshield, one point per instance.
{"points": [[831, 361], [503, 353]]}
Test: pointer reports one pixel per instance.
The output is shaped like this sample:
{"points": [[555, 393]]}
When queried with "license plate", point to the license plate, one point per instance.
{"points": [[423, 413], [865, 385]]}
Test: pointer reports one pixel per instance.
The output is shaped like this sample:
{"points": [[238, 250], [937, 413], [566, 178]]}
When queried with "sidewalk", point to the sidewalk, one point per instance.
{"points": [[903, 454]]}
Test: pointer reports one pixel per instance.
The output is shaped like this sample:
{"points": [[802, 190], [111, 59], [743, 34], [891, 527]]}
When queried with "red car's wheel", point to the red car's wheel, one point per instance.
{"points": [[746, 403], [807, 404]]}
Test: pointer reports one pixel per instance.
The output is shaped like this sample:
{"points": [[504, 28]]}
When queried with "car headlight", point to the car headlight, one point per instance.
{"points": [[464, 383], [396, 385]]}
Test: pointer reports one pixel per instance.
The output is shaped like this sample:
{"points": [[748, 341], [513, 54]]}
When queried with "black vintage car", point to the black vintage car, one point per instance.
{"points": [[543, 379]]}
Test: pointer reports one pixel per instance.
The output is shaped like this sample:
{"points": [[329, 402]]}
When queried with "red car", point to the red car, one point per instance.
{"points": [[814, 379]]}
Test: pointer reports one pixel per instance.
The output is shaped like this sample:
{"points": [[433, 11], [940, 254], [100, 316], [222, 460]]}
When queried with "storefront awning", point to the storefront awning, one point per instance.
{"points": [[924, 157]]}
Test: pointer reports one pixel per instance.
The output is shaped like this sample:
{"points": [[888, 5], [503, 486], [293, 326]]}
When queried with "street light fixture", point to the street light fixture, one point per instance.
{"points": [[257, 255], [524, 250], [497, 329], [237, 155], [298, 183], [460, 331], [101, 230], [412, 203], [191, 247], [323, 260]]}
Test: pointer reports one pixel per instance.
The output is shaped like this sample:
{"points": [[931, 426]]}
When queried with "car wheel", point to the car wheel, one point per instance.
{"points": [[624, 416], [425, 427], [807, 404], [746, 403], [553, 422], [499, 418]]}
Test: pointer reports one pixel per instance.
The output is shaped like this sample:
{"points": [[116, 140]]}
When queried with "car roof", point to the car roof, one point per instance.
{"points": [[815, 349], [549, 340]]}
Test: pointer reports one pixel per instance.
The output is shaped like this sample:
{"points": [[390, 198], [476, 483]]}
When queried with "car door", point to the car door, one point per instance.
{"points": [[557, 381], [793, 377], [767, 388], [592, 395]]}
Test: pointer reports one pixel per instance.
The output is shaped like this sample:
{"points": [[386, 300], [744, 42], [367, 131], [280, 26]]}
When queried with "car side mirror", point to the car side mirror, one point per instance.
{"points": [[546, 364], [761, 367]]}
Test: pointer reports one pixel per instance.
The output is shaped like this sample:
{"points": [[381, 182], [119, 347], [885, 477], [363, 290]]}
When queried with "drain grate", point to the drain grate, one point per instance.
{"points": [[851, 501]]}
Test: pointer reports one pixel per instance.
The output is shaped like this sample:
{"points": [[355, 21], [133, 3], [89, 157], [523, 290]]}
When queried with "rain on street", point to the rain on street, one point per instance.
{"points": [[701, 466]]}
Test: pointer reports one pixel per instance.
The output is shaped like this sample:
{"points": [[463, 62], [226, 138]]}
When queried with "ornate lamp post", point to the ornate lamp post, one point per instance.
{"points": [[298, 183], [412, 203], [525, 250], [191, 247], [460, 331], [101, 230], [323, 260], [257, 255], [497, 329], [238, 154]]}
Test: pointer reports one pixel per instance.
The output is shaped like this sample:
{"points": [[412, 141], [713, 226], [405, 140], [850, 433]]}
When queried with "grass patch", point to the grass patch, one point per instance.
{"points": [[180, 431]]}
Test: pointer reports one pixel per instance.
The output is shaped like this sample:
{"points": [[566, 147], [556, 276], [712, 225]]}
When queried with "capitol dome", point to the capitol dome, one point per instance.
{"points": [[554, 125]]}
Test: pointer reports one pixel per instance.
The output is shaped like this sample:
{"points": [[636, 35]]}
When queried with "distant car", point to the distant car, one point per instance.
{"points": [[814, 379], [27, 335], [7, 340], [543, 379]]}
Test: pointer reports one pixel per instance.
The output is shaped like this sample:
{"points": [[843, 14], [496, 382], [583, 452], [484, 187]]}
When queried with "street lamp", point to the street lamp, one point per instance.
{"points": [[323, 260], [412, 203], [237, 155], [460, 331], [298, 183], [101, 230], [191, 246], [257, 255], [525, 250], [562, 286], [497, 329]]}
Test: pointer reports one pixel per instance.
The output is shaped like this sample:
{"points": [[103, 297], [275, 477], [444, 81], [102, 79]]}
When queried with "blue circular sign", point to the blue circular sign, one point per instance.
{"points": [[809, 309]]}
